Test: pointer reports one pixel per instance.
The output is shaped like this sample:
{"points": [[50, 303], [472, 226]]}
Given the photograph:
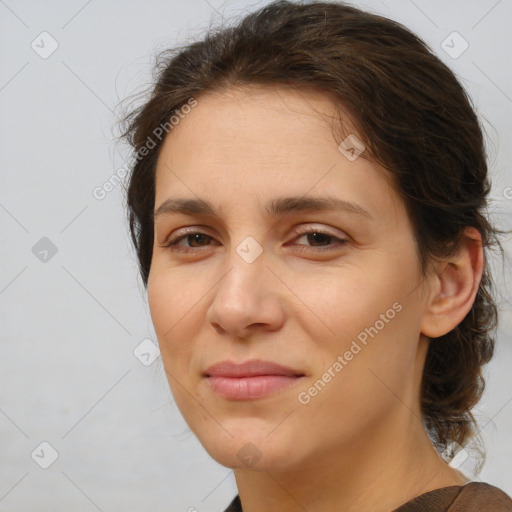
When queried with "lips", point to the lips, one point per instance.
{"points": [[250, 380], [251, 368]]}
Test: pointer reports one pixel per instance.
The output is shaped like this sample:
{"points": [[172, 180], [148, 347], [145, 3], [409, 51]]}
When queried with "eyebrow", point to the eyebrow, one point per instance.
{"points": [[274, 208]]}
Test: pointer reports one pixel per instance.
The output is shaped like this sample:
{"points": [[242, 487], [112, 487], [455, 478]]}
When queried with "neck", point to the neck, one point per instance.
{"points": [[379, 471]]}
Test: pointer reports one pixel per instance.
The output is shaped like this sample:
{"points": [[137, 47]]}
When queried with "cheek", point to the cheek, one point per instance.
{"points": [[357, 384], [370, 319], [172, 295], [338, 304], [174, 302]]}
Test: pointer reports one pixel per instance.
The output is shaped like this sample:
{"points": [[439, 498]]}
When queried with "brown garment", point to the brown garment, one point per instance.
{"points": [[472, 497]]}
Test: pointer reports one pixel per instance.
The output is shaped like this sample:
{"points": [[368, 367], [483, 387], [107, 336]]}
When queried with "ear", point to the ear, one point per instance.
{"points": [[454, 286]]}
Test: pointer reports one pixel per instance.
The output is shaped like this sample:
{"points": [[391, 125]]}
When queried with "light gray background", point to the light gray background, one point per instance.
{"points": [[69, 325]]}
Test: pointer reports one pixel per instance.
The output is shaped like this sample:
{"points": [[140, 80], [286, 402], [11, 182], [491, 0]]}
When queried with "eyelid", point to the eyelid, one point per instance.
{"points": [[179, 233], [299, 231], [307, 228]]}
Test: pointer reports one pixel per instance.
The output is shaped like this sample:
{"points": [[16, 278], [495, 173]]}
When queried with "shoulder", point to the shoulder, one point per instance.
{"points": [[472, 497], [235, 505], [481, 496]]}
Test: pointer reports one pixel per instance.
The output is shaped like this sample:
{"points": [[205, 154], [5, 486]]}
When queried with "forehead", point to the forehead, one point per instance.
{"points": [[267, 123], [252, 143]]}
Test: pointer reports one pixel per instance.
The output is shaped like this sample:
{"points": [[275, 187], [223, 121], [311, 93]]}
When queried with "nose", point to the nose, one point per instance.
{"points": [[247, 298]]}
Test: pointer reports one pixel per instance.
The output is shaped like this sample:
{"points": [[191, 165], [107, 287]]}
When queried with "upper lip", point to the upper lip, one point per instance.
{"points": [[250, 368]]}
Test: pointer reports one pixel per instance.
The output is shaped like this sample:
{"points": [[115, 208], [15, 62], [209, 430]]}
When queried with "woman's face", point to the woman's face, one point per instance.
{"points": [[341, 308]]}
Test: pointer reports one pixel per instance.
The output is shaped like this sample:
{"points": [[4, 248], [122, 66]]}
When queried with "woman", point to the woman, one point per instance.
{"points": [[307, 202]]}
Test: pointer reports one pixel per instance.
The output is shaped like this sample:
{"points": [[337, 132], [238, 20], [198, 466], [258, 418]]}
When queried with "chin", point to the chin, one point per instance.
{"points": [[257, 453]]}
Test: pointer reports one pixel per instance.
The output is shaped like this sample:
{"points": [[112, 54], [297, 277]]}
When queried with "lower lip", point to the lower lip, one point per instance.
{"points": [[248, 388]]}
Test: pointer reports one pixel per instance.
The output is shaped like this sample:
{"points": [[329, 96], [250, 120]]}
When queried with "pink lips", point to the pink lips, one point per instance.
{"points": [[249, 380]]}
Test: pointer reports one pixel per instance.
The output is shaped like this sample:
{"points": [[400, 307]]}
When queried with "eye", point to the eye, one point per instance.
{"points": [[319, 236], [312, 235], [191, 236]]}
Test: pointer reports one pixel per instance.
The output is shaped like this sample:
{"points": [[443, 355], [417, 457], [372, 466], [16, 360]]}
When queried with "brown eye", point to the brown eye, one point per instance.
{"points": [[317, 238], [196, 239], [320, 239]]}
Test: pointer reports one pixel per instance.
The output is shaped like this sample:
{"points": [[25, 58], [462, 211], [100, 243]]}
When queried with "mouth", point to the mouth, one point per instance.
{"points": [[250, 380]]}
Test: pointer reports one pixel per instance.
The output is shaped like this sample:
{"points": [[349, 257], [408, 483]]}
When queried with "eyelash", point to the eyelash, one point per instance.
{"points": [[172, 243]]}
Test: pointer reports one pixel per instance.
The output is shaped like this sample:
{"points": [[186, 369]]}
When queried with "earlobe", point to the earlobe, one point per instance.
{"points": [[455, 286]]}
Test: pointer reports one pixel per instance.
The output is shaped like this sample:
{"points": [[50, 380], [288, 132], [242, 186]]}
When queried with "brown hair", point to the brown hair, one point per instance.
{"points": [[414, 118]]}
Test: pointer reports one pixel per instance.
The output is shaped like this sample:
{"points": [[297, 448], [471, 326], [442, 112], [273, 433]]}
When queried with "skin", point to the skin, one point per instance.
{"points": [[359, 444]]}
